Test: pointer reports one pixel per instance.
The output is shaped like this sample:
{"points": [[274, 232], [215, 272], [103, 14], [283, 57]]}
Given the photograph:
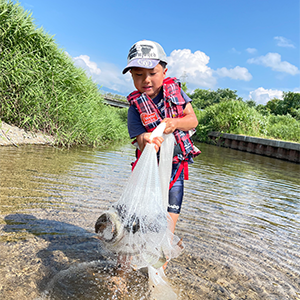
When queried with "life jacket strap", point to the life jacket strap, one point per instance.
{"points": [[183, 166], [138, 153]]}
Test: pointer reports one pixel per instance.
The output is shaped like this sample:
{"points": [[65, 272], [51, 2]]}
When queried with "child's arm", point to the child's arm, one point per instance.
{"points": [[187, 122]]}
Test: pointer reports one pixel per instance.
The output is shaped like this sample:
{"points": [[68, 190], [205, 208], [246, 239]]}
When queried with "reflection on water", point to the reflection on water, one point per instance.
{"points": [[240, 222]]}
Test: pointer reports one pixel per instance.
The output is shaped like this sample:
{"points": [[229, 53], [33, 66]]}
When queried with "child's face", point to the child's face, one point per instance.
{"points": [[148, 81]]}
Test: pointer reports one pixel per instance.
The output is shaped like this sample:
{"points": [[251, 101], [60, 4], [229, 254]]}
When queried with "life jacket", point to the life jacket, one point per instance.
{"points": [[173, 106]]}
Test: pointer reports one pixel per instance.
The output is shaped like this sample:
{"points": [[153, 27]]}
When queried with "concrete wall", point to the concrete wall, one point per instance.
{"points": [[273, 148]]}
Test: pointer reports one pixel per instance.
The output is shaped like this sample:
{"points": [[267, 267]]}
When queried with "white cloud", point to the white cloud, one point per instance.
{"points": [[296, 90], [237, 73], [233, 50], [262, 96], [193, 66], [283, 42], [107, 75], [83, 61], [251, 50], [273, 60]]}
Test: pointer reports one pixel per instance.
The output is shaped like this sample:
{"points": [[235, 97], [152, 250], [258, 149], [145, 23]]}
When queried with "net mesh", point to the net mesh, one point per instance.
{"points": [[138, 225]]}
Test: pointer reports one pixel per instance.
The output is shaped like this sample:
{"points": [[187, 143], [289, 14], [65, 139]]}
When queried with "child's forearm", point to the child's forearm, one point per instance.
{"points": [[185, 124], [142, 140]]}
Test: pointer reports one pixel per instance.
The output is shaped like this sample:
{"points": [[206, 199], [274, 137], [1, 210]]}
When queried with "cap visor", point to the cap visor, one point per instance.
{"points": [[142, 63]]}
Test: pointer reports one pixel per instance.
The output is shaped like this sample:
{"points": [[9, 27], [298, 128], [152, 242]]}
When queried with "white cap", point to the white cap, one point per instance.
{"points": [[145, 54]]}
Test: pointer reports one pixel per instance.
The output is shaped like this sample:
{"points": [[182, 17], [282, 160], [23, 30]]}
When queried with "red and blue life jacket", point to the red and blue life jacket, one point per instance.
{"points": [[173, 107]]}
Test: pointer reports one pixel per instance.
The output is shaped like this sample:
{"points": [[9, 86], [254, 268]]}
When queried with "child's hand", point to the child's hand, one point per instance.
{"points": [[185, 123], [145, 138], [157, 141], [171, 125]]}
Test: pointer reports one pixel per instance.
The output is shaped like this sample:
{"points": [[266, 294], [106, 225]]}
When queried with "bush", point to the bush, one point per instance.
{"points": [[284, 128], [232, 117]]}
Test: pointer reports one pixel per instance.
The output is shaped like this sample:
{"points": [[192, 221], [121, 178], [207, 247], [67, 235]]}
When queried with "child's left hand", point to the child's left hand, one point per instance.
{"points": [[185, 123], [171, 125]]}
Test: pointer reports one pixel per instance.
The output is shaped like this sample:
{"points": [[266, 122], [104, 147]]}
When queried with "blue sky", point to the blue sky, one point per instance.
{"points": [[251, 46]]}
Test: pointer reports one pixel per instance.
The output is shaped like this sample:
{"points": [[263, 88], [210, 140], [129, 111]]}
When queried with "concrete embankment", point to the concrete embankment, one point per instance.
{"points": [[273, 148]]}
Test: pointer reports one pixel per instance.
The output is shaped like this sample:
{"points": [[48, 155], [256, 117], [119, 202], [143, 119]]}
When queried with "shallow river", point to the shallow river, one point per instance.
{"points": [[240, 222]]}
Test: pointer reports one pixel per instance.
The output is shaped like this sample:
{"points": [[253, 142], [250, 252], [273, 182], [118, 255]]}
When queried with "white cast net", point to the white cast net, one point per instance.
{"points": [[137, 226]]}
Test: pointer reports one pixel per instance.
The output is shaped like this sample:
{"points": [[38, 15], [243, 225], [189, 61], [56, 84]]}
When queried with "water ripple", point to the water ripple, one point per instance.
{"points": [[240, 218]]}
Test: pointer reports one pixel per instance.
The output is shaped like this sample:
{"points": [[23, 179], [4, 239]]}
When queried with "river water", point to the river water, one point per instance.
{"points": [[240, 223]]}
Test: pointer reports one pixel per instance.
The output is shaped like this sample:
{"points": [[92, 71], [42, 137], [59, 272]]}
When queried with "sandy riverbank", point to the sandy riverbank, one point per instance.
{"points": [[13, 136]]}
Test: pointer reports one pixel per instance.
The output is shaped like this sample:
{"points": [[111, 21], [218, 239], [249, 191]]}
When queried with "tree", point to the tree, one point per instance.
{"points": [[204, 98], [184, 87], [276, 107], [251, 103], [291, 102], [289, 105], [262, 109]]}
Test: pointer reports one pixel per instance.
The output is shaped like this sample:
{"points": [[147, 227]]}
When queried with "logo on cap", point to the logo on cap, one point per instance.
{"points": [[141, 51], [145, 63]]}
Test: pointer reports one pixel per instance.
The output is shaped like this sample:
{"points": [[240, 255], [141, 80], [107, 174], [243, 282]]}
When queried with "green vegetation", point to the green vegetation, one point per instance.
{"points": [[204, 98], [284, 128], [290, 105], [239, 117], [41, 89]]}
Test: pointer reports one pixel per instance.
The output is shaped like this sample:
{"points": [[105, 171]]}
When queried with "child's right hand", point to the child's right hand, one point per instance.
{"points": [[157, 141], [145, 138]]}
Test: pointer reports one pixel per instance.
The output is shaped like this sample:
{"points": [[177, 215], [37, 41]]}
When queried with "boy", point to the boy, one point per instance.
{"points": [[160, 100]]}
